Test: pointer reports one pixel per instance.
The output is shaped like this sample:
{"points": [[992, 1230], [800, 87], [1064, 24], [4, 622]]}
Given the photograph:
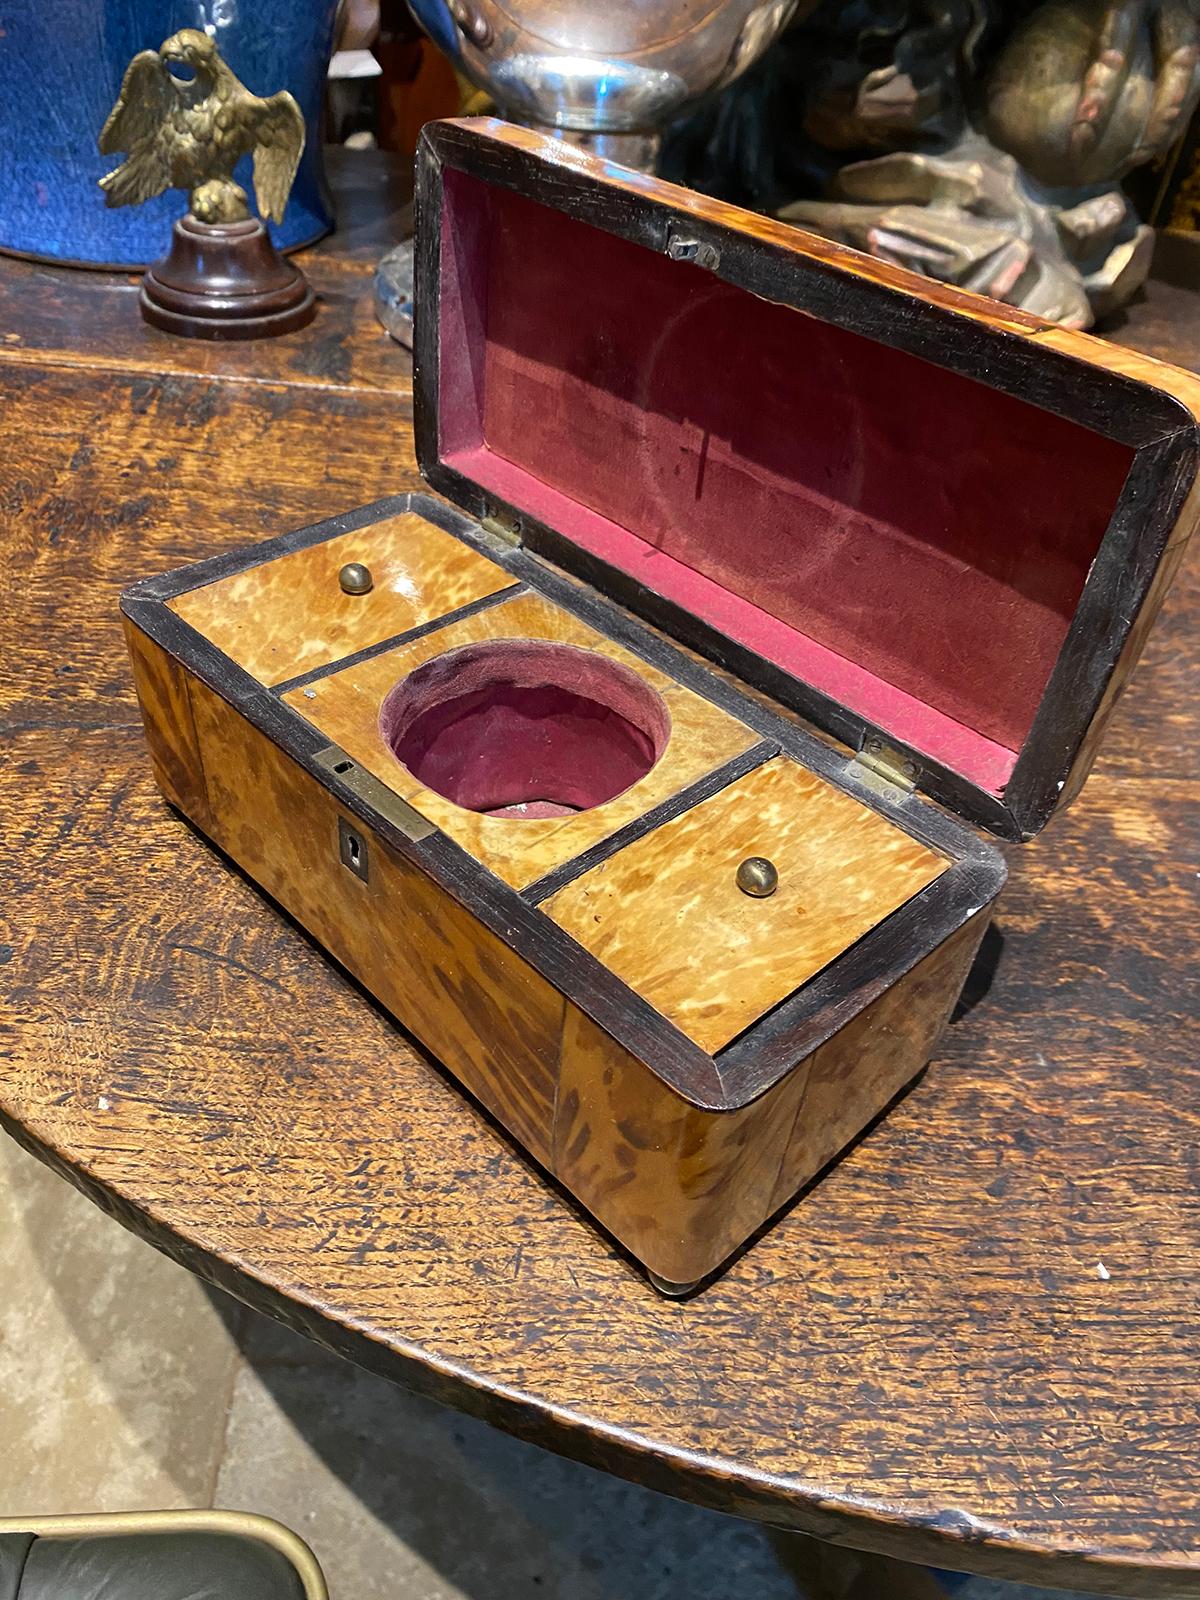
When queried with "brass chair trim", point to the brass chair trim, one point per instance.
{"points": [[244, 1524]]}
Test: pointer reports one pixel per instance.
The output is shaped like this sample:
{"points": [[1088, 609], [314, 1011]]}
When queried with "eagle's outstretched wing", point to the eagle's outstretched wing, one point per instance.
{"points": [[137, 123], [279, 141]]}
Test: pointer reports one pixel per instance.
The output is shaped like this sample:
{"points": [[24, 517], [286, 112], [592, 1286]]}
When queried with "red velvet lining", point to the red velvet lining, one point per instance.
{"points": [[910, 542], [524, 728]]}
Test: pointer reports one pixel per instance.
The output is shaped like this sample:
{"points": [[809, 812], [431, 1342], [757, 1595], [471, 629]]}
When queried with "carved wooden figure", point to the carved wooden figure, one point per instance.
{"points": [[682, 946]]}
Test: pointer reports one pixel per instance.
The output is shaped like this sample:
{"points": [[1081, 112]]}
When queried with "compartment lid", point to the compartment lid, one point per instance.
{"points": [[937, 526]]}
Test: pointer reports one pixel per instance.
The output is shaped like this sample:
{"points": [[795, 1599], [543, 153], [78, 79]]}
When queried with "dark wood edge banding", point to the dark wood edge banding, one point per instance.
{"points": [[674, 806], [804, 1021], [370, 651], [1156, 425], [573, 971], [426, 343], [953, 1539], [739, 1075], [1120, 579]]}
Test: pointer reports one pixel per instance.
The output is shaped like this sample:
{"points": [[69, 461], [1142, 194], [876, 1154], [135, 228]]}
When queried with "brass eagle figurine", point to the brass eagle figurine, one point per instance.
{"points": [[190, 135]]}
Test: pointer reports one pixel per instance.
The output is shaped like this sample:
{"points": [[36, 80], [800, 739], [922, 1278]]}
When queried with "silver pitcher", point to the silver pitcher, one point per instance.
{"points": [[605, 74]]}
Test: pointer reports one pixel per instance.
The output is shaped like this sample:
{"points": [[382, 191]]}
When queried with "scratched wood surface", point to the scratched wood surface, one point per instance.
{"points": [[923, 1357]]}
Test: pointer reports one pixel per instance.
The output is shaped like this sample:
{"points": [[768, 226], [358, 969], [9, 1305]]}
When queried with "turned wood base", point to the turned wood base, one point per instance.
{"points": [[225, 281]]}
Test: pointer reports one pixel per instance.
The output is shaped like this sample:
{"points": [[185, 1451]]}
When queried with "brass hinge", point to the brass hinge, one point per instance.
{"points": [[881, 768], [503, 527]]}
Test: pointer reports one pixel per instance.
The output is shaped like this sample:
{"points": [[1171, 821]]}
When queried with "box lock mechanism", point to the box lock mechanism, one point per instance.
{"points": [[352, 849], [696, 251]]}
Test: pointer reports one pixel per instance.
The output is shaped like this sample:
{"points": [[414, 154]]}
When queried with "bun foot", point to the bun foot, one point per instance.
{"points": [[225, 280], [674, 1291]]}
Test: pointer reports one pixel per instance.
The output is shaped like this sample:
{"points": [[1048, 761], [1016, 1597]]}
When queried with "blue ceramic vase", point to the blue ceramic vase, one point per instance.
{"points": [[61, 65]]}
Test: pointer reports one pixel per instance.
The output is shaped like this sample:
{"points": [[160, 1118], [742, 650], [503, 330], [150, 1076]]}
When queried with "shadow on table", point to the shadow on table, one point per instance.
{"points": [[406, 1499], [982, 974]]}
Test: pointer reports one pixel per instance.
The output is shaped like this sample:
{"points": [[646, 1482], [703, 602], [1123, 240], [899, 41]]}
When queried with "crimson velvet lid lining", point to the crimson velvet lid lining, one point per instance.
{"points": [[908, 541]]}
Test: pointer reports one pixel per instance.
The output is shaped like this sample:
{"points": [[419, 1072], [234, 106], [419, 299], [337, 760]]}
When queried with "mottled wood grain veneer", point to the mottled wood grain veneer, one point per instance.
{"points": [[921, 1357], [667, 915], [345, 707], [285, 617]]}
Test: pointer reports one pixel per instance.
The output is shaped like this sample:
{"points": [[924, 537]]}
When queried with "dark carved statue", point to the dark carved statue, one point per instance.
{"points": [[981, 142]]}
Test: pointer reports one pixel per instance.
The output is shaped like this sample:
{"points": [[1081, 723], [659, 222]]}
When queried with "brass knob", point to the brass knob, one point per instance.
{"points": [[758, 877], [355, 578]]}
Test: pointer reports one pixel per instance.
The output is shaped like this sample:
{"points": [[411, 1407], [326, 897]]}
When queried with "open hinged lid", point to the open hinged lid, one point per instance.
{"points": [[938, 527]]}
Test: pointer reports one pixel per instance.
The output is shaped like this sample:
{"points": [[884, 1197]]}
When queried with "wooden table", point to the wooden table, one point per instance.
{"points": [[975, 1343]]}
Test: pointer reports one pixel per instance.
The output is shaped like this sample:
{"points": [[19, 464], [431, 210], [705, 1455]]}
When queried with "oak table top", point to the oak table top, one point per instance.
{"points": [[976, 1342]]}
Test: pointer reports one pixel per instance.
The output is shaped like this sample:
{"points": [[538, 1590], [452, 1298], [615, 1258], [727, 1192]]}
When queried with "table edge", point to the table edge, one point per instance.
{"points": [[953, 1538]]}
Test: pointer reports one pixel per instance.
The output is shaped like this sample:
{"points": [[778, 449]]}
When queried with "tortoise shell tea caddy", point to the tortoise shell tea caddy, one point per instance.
{"points": [[644, 771]]}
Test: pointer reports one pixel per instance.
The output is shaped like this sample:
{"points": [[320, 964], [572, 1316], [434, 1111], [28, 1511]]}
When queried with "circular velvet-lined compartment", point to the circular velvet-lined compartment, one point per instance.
{"points": [[525, 728]]}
